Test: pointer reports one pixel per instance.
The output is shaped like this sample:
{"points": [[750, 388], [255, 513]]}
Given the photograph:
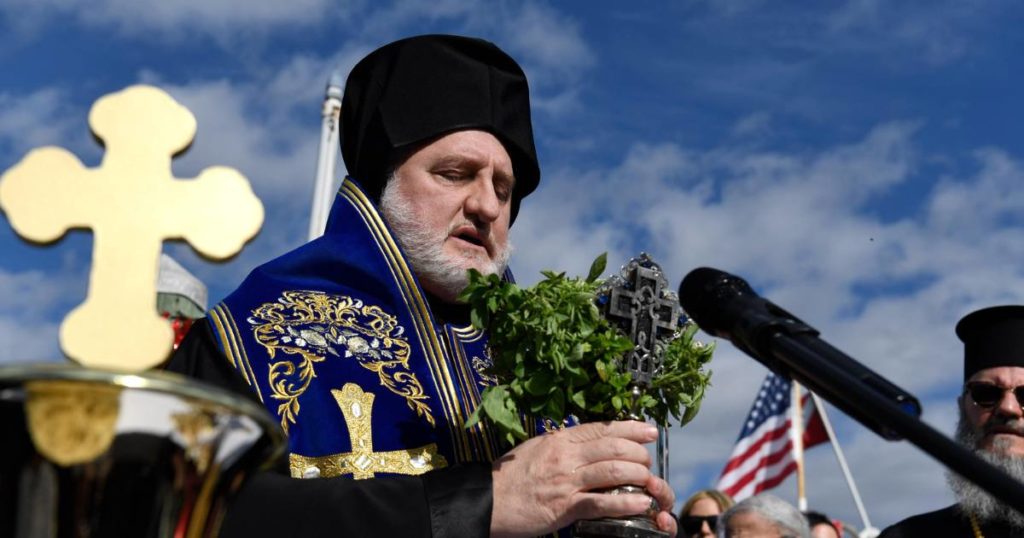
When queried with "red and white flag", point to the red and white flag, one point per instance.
{"points": [[763, 455]]}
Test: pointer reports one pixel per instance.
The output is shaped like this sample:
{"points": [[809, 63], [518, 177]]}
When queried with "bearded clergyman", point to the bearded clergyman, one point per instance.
{"points": [[356, 344], [991, 424]]}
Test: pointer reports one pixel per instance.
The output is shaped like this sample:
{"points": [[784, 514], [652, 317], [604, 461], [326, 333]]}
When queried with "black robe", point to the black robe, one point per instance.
{"points": [[949, 522], [451, 502]]}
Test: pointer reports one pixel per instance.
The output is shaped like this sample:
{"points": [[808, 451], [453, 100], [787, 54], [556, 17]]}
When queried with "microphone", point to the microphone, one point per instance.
{"points": [[724, 305]]}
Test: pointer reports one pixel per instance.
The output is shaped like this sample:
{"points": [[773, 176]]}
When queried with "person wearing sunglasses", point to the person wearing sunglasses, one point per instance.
{"points": [[991, 424], [699, 516]]}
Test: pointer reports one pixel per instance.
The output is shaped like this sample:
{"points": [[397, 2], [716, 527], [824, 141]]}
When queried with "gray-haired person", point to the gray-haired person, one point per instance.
{"points": [[763, 516]]}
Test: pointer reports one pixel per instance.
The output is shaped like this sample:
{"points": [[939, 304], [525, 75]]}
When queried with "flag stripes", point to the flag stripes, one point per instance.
{"points": [[763, 455]]}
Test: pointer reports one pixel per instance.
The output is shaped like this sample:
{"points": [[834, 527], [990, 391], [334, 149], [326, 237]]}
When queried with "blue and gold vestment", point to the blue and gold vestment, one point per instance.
{"points": [[338, 341]]}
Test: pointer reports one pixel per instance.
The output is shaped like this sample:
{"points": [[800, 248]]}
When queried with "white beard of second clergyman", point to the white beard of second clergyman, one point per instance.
{"points": [[424, 247], [972, 498]]}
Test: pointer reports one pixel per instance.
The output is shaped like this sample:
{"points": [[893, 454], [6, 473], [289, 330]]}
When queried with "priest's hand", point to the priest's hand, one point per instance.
{"points": [[548, 482]]}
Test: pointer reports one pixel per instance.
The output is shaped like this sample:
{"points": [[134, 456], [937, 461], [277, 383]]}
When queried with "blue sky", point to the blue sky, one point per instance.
{"points": [[858, 162]]}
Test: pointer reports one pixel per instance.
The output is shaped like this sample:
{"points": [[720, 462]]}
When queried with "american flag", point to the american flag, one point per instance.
{"points": [[763, 455]]}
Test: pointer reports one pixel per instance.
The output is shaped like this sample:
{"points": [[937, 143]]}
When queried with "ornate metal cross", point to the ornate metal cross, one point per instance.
{"points": [[639, 303]]}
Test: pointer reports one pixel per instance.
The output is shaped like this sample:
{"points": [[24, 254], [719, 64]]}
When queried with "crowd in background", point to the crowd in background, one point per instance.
{"points": [[711, 513]]}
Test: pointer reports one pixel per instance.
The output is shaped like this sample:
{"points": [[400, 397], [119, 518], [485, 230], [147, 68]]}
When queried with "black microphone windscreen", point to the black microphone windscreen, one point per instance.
{"points": [[708, 296]]}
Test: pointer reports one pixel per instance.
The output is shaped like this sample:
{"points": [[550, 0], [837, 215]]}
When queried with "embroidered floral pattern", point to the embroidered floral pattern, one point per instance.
{"points": [[482, 367], [309, 326]]}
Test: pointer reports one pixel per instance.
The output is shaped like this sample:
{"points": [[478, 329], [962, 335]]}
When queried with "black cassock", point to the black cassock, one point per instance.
{"points": [[949, 522], [451, 502]]}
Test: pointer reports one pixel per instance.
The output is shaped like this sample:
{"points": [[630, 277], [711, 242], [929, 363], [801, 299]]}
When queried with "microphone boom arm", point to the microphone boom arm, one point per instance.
{"points": [[724, 305]]}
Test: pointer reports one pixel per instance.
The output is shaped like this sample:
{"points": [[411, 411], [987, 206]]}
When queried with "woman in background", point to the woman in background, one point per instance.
{"points": [[699, 515]]}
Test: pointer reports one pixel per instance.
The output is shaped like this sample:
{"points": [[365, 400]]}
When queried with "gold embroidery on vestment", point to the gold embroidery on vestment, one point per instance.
{"points": [[243, 355], [234, 349], [470, 396], [362, 462], [468, 334], [226, 340], [437, 358], [482, 367], [312, 325]]}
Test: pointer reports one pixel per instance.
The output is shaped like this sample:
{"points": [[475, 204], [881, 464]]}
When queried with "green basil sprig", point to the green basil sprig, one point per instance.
{"points": [[555, 355]]}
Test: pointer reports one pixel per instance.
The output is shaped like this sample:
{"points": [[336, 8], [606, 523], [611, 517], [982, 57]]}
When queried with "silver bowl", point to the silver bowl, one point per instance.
{"points": [[94, 454]]}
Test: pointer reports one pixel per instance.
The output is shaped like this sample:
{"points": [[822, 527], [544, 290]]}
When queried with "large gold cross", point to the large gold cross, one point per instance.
{"points": [[132, 203], [362, 461]]}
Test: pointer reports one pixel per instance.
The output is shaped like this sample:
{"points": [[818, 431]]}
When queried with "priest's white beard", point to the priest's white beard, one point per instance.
{"points": [[972, 498], [424, 247]]}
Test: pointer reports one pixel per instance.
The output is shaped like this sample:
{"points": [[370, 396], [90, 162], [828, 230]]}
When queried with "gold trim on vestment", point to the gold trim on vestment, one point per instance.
{"points": [[471, 389], [243, 354], [226, 342], [468, 334], [362, 462], [410, 461], [422, 319], [234, 349]]}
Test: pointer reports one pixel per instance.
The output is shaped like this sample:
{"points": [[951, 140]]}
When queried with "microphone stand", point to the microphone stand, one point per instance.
{"points": [[790, 347], [805, 362]]}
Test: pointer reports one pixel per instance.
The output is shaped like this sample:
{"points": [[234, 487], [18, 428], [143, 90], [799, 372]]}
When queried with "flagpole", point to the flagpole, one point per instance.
{"points": [[797, 435], [323, 189], [869, 531]]}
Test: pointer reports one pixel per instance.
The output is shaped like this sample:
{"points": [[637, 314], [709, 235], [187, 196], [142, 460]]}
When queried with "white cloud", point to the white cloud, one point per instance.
{"points": [[43, 117], [239, 124], [547, 43], [970, 208], [32, 301], [279, 157], [803, 229], [383, 23], [931, 33], [734, 208], [223, 20], [30, 294], [548, 40], [797, 228], [22, 342], [934, 33]]}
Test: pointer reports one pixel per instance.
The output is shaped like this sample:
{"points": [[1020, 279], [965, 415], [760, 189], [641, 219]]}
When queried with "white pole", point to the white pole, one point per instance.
{"points": [[869, 531], [797, 437], [323, 190]]}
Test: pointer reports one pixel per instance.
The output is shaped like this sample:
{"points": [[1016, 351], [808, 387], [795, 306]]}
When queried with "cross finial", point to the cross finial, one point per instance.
{"points": [[132, 203], [639, 302]]}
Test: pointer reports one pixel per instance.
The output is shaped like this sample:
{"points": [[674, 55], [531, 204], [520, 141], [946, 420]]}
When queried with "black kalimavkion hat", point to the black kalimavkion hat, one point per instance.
{"points": [[992, 337], [416, 89]]}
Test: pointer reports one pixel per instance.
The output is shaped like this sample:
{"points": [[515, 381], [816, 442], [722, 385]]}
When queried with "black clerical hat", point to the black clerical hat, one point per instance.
{"points": [[415, 89], [992, 337]]}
